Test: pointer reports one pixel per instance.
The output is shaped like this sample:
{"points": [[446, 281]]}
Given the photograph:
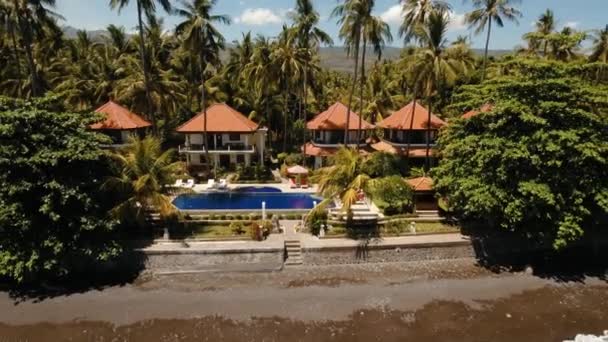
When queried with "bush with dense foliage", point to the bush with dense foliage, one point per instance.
{"points": [[392, 195], [537, 164], [382, 164], [52, 218]]}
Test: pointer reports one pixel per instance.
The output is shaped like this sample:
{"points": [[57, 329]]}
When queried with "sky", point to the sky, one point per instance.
{"points": [[267, 17]]}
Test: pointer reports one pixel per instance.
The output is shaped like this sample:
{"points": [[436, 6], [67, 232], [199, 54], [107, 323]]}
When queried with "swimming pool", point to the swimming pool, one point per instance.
{"points": [[246, 200]]}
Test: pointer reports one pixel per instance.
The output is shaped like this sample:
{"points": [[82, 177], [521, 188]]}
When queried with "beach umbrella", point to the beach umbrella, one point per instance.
{"points": [[297, 170]]}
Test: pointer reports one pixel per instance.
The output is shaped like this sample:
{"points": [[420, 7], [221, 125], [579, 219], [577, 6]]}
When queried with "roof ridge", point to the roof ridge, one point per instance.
{"points": [[240, 116]]}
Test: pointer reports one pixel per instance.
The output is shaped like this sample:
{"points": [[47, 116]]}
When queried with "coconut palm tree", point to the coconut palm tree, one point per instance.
{"points": [[203, 39], [416, 13], [436, 65], [288, 63], [486, 12], [600, 46], [343, 179], [309, 36], [377, 33], [147, 8], [351, 17], [539, 41], [142, 171], [31, 18]]}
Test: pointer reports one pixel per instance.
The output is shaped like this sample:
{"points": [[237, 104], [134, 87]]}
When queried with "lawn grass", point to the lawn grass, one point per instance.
{"points": [[400, 228], [209, 231]]}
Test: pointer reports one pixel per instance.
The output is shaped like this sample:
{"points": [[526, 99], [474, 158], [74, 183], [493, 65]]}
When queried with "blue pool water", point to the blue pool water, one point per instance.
{"points": [[249, 200]]}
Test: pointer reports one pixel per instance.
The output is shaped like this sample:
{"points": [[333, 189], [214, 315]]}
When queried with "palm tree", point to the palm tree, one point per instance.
{"points": [[488, 11], [545, 27], [416, 13], [351, 17], [377, 33], [343, 179], [436, 65], [600, 46], [260, 74], [10, 25], [142, 171], [288, 62], [147, 7], [31, 18], [202, 38], [305, 19]]}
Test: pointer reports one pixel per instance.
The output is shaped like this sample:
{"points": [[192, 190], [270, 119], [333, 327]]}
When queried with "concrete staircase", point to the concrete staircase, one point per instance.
{"points": [[294, 252], [361, 212], [428, 215]]}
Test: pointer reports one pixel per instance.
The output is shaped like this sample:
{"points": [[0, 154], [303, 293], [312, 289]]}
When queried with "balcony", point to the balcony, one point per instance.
{"points": [[224, 149]]}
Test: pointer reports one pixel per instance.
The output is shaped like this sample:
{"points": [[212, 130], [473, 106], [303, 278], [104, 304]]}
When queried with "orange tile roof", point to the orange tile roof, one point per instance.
{"points": [[220, 118], [421, 183], [119, 118], [415, 152], [334, 118], [484, 109], [401, 119], [313, 150]]}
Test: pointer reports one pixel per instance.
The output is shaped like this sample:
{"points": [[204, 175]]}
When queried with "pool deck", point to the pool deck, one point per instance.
{"points": [[284, 187]]}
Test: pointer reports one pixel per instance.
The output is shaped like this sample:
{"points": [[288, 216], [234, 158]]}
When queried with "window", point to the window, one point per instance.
{"points": [[234, 137], [240, 159]]}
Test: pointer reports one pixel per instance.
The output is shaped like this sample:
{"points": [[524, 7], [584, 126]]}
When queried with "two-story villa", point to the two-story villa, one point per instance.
{"points": [[119, 123], [401, 129], [327, 131], [231, 138]]}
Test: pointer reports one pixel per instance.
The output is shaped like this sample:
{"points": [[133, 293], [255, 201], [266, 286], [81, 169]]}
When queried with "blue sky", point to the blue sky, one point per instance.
{"points": [[267, 16]]}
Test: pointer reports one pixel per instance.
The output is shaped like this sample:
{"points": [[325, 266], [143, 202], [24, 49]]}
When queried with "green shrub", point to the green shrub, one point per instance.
{"points": [[395, 227], [291, 217], [229, 217], [222, 217], [237, 228], [213, 217], [238, 217], [256, 231], [392, 195], [382, 164], [316, 219], [299, 216]]}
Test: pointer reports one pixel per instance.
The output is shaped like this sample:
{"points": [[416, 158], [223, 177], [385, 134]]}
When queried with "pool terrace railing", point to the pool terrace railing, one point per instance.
{"points": [[227, 148]]}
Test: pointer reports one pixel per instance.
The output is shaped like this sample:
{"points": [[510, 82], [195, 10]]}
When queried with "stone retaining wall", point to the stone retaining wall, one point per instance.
{"points": [[195, 260], [378, 254]]}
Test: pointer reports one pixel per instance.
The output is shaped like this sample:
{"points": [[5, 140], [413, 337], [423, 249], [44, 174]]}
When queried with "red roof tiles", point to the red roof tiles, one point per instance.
{"points": [[334, 118], [220, 118], [401, 119], [421, 183], [484, 109], [119, 118]]}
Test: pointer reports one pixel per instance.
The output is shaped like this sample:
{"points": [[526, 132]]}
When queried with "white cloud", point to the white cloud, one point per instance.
{"points": [[572, 24], [259, 16], [394, 16]]}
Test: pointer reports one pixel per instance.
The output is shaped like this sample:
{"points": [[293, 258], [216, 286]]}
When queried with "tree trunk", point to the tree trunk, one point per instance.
{"points": [[359, 131], [352, 92], [428, 137], [26, 37], [285, 116], [16, 52], [485, 54], [204, 107], [305, 92], [409, 133], [144, 62]]}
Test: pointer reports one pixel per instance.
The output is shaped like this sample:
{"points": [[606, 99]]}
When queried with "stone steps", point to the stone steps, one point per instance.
{"points": [[294, 253]]}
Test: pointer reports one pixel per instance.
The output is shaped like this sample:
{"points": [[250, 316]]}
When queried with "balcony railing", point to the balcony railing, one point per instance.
{"points": [[413, 142], [226, 148]]}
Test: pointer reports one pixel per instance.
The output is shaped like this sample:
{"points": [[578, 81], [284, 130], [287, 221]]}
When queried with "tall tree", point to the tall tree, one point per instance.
{"points": [[376, 33], [351, 17], [148, 8], [203, 39], [436, 65], [600, 46], [488, 11], [416, 13], [31, 17], [309, 36]]}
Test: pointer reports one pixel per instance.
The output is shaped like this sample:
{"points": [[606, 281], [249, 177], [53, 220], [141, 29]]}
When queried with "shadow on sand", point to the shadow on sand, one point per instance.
{"points": [[125, 269], [506, 252]]}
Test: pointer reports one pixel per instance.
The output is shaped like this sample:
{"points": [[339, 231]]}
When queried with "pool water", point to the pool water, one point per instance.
{"points": [[246, 200]]}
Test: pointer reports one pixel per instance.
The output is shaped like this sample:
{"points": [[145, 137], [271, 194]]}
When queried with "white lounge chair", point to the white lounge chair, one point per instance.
{"points": [[211, 184], [189, 184], [223, 184], [179, 183]]}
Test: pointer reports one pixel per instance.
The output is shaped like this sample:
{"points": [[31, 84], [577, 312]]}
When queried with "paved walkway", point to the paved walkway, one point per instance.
{"points": [[277, 242]]}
